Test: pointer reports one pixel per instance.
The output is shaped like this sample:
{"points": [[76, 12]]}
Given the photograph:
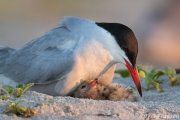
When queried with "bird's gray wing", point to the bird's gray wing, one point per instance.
{"points": [[52, 55], [46, 58]]}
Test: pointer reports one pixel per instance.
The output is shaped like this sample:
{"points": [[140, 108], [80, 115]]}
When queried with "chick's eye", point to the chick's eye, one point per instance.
{"points": [[83, 86]]}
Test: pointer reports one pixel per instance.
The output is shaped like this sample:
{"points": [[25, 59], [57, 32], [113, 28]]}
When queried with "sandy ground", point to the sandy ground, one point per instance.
{"points": [[152, 106]]}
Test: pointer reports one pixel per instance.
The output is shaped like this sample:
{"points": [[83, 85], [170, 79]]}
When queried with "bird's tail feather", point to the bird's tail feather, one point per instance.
{"points": [[5, 52]]}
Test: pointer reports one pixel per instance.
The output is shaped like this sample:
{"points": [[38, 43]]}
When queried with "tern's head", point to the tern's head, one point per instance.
{"points": [[127, 41]]}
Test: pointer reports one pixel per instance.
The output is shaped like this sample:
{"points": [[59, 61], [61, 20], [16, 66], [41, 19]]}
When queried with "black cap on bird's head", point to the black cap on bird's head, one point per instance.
{"points": [[127, 41]]}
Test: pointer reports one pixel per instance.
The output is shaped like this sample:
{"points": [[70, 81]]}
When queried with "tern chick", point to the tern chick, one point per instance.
{"points": [[97, 91]]}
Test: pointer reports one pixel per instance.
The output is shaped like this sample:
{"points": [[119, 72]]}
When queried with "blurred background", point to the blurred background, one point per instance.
{"points": [[156, 23]]}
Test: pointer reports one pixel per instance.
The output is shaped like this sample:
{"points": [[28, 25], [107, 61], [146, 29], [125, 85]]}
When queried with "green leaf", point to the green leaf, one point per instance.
{"points": [[18, 92], [8, 88], [170, 72], [173, 80], [123, 73], [157, 74], [142, 73], [4, 97], [15, 108], [20, 89], [151, 77], [157, 85]]}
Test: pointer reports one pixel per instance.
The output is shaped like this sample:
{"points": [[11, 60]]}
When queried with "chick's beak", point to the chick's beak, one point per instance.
{"points": [[135, 76]]}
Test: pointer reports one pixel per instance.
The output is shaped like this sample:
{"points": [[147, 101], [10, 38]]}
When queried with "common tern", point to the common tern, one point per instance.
{"points": [[77, 50]]}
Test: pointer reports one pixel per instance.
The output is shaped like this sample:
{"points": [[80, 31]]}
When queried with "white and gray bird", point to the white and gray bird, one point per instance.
{"points": [[77, 50]]}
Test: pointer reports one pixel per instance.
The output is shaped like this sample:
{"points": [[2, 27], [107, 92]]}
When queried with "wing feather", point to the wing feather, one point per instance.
{"points": [[45, 58]]}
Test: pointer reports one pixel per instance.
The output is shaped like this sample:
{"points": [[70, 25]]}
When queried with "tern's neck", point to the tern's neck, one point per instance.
{"points": [[111, 45]]}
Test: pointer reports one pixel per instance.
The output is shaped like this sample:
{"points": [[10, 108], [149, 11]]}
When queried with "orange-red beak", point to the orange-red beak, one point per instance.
{"points": [[135, 76]]}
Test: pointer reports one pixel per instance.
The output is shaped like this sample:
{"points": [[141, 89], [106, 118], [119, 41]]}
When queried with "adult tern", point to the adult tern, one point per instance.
{"points": [[77, 50]]}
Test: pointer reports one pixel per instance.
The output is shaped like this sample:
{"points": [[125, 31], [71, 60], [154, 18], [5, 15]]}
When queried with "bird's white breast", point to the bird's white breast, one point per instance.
{"points": [[89, 61], [93, 57]]}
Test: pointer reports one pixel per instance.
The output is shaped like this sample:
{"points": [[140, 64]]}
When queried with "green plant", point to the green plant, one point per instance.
{"points": [[123, 73], [21, 88], [6, 91], [151, 76], [171, 73], [14, 108]]}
